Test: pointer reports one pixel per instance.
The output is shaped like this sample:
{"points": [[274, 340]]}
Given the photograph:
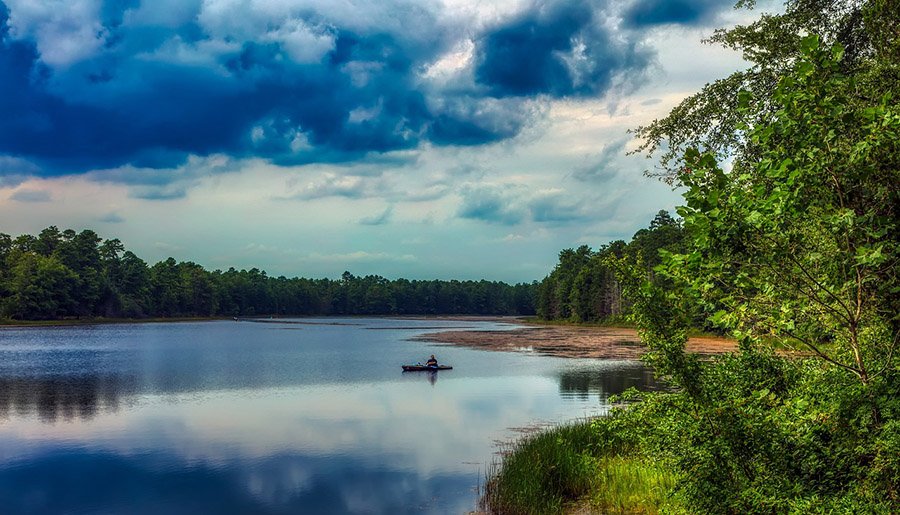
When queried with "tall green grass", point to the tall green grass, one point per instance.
{"points": [[629, 485], [540, 473], [547, 473]]}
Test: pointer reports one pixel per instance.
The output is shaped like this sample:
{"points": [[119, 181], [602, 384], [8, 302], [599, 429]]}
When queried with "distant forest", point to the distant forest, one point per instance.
{"points": [[64, 274]]}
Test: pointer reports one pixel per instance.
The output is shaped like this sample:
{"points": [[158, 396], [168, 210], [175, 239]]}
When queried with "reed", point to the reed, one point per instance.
{"points": [[629, 485], [549, 472]]}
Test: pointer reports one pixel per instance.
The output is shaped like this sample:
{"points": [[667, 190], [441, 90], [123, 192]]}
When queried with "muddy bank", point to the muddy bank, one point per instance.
{"points": [[569, 342]]}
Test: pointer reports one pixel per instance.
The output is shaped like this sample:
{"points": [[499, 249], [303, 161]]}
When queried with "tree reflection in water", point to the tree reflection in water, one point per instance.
{"points": [[65, 398], [583, 383]]}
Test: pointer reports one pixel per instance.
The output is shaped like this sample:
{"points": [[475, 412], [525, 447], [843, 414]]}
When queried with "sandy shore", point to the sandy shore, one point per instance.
{"points": [[569, 341]]}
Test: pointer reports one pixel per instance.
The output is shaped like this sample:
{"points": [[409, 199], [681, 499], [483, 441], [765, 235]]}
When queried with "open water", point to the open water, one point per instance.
{"points": [[304, 416]]}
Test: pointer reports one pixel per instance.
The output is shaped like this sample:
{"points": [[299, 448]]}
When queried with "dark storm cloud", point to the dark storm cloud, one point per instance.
{"points": [[148, 84], [469, 120], [645, 13], [556, 48], [132, 103]]}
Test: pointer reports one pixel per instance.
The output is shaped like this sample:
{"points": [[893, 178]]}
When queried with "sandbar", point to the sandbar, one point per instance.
{"points": [[569, 341]]}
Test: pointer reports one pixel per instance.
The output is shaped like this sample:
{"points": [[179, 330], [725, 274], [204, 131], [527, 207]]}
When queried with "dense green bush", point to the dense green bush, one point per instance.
{"points": [[796, 242]]}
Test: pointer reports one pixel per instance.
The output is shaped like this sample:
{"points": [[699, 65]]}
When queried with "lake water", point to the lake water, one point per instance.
{"points": [[244, 417]]}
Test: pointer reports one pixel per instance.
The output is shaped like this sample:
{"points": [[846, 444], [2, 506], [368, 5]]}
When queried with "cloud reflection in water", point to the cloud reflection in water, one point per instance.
{"points": [[231, 418]]}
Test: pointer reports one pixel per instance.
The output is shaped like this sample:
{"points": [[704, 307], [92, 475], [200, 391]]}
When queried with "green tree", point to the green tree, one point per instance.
{"points": [[803, 241], [798, 242], [166, 288], [713, 120], [48, 241], [40, 288], [6, 247], [80, 253], [133, 285]]}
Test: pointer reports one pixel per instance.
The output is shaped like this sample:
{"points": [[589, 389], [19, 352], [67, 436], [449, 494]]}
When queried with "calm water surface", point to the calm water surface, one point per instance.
{"points": [[244, 417]]}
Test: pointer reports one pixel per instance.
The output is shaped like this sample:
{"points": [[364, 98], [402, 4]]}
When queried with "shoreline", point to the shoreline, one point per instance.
{"points": [[568, 341], [19, 324], [558, 340]]}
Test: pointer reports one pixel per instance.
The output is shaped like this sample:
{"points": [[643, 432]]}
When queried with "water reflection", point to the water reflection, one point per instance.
{"points": [[402, 447], [582, 384], [429, 375], [223, 417], [285, 483], [63, 397]]}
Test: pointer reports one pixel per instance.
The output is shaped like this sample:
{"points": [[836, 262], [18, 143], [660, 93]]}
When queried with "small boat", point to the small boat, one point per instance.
{"points": [[425, 368]]}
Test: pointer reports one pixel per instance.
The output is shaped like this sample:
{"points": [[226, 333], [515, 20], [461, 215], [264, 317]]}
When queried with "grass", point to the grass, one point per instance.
{"points": [[629, 485], [555, 470]]}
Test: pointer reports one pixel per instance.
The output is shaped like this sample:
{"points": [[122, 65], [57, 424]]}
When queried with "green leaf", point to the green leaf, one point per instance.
{"points": [[809, 44]]}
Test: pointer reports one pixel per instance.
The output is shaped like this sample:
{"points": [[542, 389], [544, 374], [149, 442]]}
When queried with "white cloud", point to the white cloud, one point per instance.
{"points": [[302, 42], [451, 65], [65, 31], [331, 184]]}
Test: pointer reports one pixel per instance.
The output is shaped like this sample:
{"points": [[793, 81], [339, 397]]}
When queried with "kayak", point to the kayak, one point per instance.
{"points": [[424, 368]]}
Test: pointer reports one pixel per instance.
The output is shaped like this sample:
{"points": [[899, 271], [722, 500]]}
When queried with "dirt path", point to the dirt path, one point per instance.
{"points": [[569, 342]]}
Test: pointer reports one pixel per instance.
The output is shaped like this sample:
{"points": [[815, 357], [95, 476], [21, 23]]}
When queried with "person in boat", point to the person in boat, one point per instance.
{"points": [[432, 362]]}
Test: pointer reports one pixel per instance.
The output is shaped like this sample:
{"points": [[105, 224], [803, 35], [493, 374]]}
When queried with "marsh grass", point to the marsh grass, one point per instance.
{"points": [[629, 485], [549, 472]]}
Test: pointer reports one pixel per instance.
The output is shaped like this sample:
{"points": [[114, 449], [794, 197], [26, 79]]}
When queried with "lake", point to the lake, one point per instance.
{"points": [[287, 416]]}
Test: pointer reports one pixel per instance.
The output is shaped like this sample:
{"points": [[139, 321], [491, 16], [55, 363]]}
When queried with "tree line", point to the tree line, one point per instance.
{"points": [[67, 274], [583, 286]]}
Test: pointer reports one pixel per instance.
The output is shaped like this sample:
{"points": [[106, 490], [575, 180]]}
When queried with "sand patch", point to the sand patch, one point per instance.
{"points": [[569, 341]]}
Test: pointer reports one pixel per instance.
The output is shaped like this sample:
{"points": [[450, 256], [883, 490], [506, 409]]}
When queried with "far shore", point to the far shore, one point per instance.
{"points": [[7, 322], [103, 321]]}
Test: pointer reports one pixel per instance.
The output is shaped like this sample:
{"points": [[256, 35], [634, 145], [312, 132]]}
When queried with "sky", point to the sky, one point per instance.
{"points": [[426, 139]]}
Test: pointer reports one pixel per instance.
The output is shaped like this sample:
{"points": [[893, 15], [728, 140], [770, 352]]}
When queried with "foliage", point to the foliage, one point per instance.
{"points": [[714, 120], [796, 242], [804, 242], [583, 287], [545, 473], [61, 274]]}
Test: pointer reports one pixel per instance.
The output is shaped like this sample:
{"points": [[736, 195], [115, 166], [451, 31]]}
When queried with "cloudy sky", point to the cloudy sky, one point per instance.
{"points": [[408, 138]]}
